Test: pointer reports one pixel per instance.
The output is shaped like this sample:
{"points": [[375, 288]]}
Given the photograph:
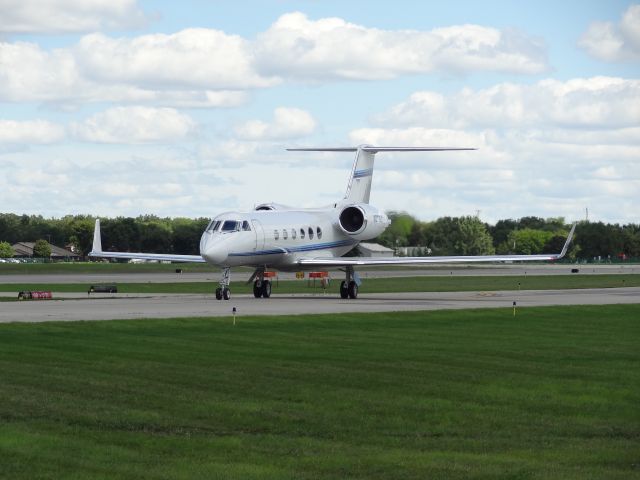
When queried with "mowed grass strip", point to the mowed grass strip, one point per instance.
{"points": [[370, 285], [551, 393]]}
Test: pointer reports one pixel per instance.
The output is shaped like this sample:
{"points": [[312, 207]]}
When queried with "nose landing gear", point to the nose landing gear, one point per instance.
{"points": [[223, 291]]}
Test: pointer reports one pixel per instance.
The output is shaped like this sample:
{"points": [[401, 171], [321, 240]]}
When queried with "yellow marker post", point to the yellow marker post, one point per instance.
{"points": [[234, 316], [514, 309]]}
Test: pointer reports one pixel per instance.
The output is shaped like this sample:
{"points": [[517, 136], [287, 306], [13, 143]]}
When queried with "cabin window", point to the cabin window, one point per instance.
{"points": [[310, 233], [302, 233], [284, 234], [293, 233], [245, 226], [230, 226], [276, 234], [319, 232]]}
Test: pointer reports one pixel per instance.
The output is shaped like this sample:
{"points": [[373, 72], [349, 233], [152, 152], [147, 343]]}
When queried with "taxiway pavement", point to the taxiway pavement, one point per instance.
{"points": [[75, 307]]}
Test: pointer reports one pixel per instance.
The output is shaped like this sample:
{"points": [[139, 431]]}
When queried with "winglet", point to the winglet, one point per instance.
{"points": [[97, 240], [566, 244]]}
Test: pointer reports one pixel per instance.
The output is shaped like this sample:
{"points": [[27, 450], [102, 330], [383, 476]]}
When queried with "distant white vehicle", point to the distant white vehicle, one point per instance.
{"points": [[274, 236]]}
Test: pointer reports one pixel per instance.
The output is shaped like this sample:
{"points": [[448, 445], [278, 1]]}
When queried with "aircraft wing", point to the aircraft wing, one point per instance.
{"points": [[368, 261], [96, 251]]}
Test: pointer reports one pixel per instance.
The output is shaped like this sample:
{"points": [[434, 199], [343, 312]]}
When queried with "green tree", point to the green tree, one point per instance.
{"points": [[442, 235], [397, 234], [473, 237], [156, 237], [82, 233], [501, 230], [42, 249], [528, 241], [186, 235], [597, 239], [5, 250]]}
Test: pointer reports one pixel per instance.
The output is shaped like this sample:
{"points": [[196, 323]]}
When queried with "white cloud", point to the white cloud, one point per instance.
{"points": [[297, 47], [195, 57], [30, 132], [68, 16], [287, 123], [199, 67], [614, 43], [598, 102], [31, 74], [134, 125]]}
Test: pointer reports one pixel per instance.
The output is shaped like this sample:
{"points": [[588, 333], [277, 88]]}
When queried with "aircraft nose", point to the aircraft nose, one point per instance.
{"points": [[215, 251]]}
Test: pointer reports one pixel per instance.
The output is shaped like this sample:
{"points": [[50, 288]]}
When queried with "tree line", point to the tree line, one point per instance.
{"points": [[466, 235]]}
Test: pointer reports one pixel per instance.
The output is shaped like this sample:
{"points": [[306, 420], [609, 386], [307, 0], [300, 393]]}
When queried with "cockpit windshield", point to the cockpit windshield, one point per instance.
{"points": [[230, 226], [213, 225]]}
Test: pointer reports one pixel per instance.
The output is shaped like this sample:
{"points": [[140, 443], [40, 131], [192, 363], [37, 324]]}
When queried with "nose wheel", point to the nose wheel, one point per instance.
{"points": [[223, 291]]}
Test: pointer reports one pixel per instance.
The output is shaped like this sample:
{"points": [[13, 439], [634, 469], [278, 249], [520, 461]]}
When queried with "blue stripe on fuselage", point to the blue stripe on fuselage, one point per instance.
{"points": [[301, 248]]}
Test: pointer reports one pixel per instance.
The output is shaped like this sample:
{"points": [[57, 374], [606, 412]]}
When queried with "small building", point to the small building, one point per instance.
{"points": [[25, 250], [415, 251], [374, 250]]}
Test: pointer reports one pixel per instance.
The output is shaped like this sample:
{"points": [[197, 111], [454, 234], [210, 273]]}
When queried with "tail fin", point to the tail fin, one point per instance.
{"points": [[97, 240], [359, 186]]}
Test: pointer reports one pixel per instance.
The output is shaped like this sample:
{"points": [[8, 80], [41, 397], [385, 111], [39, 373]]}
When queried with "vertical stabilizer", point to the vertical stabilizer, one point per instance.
{"points": [[359, 186], [97, 239]]}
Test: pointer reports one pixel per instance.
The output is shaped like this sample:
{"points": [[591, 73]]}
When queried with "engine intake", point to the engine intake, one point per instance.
{"points": [[352, 220], [362, 221]]}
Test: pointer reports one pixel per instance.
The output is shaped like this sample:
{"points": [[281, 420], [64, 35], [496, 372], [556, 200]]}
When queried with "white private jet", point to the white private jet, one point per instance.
{"points": [[274, 236]]}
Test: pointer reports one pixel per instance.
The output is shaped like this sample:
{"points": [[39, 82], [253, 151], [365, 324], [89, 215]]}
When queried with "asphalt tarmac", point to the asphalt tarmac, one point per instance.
{"points": [[75, 307]]}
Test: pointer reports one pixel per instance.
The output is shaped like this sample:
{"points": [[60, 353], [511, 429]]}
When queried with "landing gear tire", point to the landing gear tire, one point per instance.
{"points": [[257, 289], [344, 290], [353, 289], [219, 293], [226, 293], [266, 289]]}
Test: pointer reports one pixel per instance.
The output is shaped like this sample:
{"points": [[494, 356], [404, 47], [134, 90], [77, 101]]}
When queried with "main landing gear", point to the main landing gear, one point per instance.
{"points": [[349, 286], [223, 291], [261, 287]]}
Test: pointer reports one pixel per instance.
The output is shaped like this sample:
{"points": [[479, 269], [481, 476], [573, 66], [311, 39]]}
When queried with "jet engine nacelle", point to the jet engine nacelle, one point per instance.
{"points": [[362, 221]]}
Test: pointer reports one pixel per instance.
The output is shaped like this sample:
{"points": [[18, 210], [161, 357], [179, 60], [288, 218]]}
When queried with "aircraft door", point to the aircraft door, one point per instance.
{"points": [[259, 231]]}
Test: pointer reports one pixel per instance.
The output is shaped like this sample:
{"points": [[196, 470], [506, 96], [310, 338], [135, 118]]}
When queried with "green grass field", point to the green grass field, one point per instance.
{"points": [[370, 285], [551, 393]]}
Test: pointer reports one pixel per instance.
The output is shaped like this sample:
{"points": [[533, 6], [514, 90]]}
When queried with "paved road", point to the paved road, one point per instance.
{"points": [[243, 275], [118, 306]]}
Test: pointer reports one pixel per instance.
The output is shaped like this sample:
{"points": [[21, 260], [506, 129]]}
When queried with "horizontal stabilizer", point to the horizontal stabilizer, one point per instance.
{"points": [[359, 186], [372, 149]]}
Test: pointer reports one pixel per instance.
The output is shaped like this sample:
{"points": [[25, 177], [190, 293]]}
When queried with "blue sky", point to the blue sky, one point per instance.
{"points": [[126, 107]]}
